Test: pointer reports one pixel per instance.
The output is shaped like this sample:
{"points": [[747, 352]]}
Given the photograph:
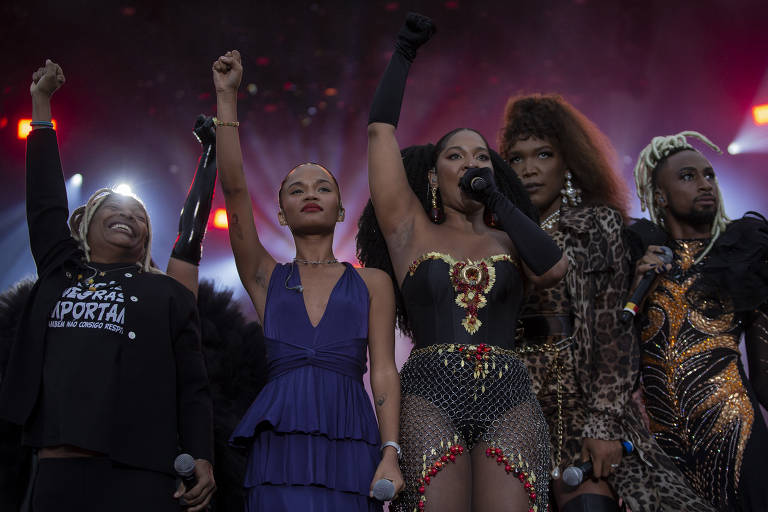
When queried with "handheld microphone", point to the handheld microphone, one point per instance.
{"points": [[384, 490], [478, 183], [184, 465], [631, 308], [574, 475]]}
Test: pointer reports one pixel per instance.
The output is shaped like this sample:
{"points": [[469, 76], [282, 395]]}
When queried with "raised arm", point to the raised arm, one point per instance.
{"points": [[385, 381], [47, 210], [397, 208], [188, 248], [254, 263]]}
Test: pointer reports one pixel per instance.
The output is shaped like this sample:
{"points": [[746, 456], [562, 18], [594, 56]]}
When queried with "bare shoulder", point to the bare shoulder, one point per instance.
{"points": [[376, 280]]}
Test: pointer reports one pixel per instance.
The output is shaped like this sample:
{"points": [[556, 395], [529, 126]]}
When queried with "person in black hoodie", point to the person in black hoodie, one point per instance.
{"points": [[106, 373]]}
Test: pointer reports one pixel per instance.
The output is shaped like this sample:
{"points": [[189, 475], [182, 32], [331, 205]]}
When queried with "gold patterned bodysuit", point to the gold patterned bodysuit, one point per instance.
{"points": [[694, 386]]}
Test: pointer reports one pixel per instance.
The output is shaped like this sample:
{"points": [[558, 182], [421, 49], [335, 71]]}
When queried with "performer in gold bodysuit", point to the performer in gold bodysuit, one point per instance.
{"points": [[701, 404]]}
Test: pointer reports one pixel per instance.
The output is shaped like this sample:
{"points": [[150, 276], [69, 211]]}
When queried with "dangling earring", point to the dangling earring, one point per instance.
{"points": [[342, 214], [436, 213], [281, 218], [570, 194]]}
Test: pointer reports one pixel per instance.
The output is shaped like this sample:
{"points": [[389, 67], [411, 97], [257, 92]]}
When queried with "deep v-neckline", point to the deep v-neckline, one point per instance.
{"points": [[327, 303]]}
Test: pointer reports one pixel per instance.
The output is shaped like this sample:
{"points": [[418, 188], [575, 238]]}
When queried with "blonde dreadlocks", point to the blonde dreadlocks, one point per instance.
{"points": [[650, 160], [80, 221]]}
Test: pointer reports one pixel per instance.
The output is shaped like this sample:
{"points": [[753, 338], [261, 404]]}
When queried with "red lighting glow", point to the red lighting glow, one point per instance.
{"points": [[220, 219], [760, 114], [25, 127]]}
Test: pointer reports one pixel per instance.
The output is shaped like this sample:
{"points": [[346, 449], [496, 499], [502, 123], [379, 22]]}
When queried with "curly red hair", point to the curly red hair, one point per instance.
{"points": [[586, 151]]}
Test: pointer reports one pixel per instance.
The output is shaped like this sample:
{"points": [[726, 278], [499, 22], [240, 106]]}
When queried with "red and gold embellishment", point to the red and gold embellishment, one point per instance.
{"points": [[514, 468], [471, 280]]}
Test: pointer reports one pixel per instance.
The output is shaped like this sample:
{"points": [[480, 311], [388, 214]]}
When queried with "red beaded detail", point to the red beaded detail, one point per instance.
{"points": [[471, 280], [526, 478], [432, 470]]}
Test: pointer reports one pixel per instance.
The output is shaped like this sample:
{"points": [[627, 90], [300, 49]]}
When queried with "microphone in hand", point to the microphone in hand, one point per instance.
{"points": [[478, 182], [184, 465], [573, 476], [632, 306], [384, 490]]}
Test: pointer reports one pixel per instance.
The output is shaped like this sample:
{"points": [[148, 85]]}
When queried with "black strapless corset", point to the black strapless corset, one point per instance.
{"points": [[465, 302]]}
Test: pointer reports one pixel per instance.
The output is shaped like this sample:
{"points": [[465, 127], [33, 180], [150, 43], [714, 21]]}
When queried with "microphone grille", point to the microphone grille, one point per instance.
{"points": [[184, 464], [383, 490], [666, 254], [572, 476]]}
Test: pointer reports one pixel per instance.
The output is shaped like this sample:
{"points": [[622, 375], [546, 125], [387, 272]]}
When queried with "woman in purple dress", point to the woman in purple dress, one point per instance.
{"points": [[312, 431]]}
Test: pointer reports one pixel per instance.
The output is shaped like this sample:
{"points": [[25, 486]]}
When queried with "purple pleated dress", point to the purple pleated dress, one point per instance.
{"points": [[312, 430]]}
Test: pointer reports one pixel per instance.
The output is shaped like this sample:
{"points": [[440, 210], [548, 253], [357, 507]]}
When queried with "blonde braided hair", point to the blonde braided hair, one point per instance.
{"points": [[651, 157], [80, 221]]}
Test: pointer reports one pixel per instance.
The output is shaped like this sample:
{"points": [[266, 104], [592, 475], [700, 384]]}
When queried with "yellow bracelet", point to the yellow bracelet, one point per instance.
{"points": [[226, 123]]}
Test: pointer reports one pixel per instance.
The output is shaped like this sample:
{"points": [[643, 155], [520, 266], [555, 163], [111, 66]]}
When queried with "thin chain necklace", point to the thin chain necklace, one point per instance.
{"points": [[316, 262], [90, 280], [551, 221]]}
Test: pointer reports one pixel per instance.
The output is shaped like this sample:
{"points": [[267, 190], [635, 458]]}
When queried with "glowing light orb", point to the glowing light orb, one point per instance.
{"points": [[220, 219], [124, 189], [760, 114], [25, 127]]}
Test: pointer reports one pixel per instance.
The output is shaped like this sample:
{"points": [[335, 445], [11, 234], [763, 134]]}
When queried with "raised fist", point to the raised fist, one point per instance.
{"points": [[204, 130], [416, 31], [227, 72], [47, 79]]}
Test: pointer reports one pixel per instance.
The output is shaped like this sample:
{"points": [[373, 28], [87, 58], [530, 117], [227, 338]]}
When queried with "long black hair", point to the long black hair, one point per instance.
{"points": [[418, 160]]}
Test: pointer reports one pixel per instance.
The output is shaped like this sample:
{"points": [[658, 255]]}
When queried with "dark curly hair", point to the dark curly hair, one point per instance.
{"points": [[586, 151], [418, 160]]}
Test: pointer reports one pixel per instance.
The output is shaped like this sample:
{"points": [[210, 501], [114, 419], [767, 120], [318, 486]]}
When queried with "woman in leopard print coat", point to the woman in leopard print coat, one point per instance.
{"points": [[583, 361]]}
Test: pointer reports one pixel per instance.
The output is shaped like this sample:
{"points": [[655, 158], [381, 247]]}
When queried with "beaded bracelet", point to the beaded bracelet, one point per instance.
{"points": [[226, 123]]}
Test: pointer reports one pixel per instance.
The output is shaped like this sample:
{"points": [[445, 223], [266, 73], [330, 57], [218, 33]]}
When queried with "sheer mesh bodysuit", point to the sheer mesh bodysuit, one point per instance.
{"points": [[463, 387]]}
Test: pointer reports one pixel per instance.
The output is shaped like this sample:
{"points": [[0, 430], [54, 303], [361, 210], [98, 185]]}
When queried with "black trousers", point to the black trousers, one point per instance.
{"points": [[96, 484]]}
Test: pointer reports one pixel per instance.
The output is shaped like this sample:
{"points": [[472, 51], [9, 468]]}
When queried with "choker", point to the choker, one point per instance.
{"points": [[315, 262]]}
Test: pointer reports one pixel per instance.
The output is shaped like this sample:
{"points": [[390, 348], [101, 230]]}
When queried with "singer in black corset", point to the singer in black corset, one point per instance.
{"points": [[471, 430], [106, 374], [703, 409], [583, 360]]}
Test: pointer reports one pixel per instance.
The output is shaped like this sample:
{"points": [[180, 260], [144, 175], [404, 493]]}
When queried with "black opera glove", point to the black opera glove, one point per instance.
{"points": [[388, 98], [416, 31], [535, 247], [205, 130], [197, 207], [483, 180]]}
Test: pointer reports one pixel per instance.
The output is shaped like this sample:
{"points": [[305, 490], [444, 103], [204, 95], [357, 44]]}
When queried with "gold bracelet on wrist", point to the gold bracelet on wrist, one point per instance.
{"points": [[225, 123]]}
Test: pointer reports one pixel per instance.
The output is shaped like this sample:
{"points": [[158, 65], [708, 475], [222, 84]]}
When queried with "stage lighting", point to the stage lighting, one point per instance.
{"points": [[25, 127], [733, 148], [76, 180], [220, 219], [760, 114], [124, 189]]}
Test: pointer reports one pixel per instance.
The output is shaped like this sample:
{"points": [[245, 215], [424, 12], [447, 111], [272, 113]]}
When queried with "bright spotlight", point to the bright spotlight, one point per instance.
{"points": [[124, 189], [760, 114], [76, 180], [25, 126], [733, 148], [220, 219]]}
